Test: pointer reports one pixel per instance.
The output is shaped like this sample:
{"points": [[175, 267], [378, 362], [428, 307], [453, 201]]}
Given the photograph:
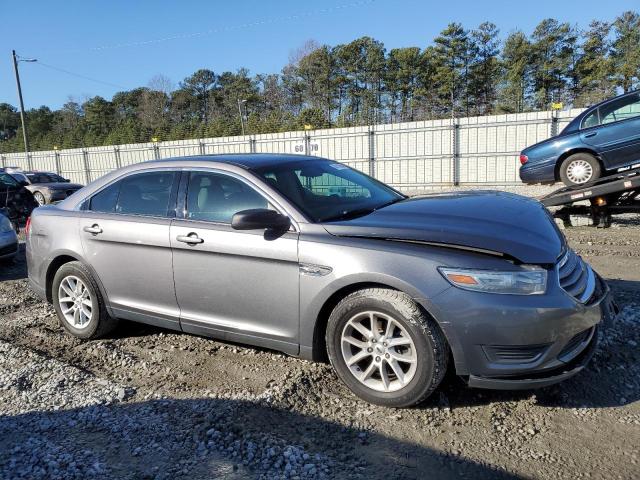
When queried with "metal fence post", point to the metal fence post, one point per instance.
{"points": [[372, 153], [85, 161], [29, 162], [554, 123], [455, 134], [307, 144], [3, 161], [252, 145], [202, 148], [116, 154], [56, 157], [156, 151]]}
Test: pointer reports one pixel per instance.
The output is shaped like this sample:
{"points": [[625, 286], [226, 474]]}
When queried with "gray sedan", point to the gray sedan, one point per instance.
{"points": [[315, 259]]}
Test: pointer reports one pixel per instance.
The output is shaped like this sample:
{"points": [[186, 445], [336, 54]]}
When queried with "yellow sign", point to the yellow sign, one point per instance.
{"points": [[308, 127], [155, 139], [556, 106]]}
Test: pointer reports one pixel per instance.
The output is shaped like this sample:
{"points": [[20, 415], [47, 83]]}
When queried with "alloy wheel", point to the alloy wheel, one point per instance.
{"points": [[378, 351], [75, 302]]}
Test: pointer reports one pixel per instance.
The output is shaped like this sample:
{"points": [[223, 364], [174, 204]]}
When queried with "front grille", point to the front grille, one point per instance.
{"points": [[514, 353], [576, 277]]}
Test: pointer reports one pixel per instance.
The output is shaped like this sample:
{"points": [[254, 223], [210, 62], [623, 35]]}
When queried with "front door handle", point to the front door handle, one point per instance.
{"points": [[191, 239], [93, 229], [591, 134]]}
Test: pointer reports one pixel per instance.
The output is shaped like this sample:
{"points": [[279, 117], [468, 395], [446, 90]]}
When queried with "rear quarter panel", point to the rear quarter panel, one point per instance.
{"points": [[53, 233]]}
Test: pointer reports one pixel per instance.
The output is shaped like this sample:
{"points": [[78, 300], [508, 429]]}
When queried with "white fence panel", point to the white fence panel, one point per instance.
{"points": [[412, 155]]}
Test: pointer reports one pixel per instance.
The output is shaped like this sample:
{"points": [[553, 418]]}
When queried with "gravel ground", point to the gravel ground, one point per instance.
{"points": [[149, 403]]}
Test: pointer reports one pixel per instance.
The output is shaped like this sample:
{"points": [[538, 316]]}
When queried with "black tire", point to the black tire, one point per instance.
{"points": [[40, 198], [101, 323], [430, 345], [596, 170]]}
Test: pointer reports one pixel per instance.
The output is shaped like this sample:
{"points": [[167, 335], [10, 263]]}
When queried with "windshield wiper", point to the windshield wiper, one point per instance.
{"points": [[358, 212]]}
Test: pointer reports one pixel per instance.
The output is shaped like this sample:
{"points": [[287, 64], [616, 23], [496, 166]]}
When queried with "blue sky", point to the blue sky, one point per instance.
{"points": [[83, 36]]}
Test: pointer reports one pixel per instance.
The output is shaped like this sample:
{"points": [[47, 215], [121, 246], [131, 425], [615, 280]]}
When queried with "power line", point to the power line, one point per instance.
{"points": [[52, 67], [288, 18]]}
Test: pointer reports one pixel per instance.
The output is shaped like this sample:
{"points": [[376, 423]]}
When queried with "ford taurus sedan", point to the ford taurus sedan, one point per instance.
{"points": [[603, 139], [315, 259]]}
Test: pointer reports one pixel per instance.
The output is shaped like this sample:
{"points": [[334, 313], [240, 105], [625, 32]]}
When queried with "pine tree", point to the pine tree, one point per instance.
{"points": [[626, 50]]}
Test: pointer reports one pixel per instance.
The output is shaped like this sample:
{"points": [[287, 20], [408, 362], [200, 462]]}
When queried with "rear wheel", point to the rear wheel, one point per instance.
{"points": [[579, 168], [385, 348], [79, 304]]}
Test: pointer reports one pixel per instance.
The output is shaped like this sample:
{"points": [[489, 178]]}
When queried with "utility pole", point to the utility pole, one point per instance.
{"points": [[24, 125]]}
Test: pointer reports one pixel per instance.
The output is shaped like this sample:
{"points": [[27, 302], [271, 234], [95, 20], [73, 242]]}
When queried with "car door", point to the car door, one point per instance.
{"points": [[616, 131], [235, 285], [125, 237]]}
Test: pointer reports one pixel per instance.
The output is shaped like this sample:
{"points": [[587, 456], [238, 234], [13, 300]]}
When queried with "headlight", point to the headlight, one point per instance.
{"points": [[532, 281], [5, 224]]}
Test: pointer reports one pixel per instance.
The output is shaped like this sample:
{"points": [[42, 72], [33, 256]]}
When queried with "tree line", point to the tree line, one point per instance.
{"points": [[464, 72]]}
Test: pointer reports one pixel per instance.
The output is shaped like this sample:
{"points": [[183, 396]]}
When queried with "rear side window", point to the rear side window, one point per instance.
{"points": [[591, 120], [215, 197], [140, 194]]}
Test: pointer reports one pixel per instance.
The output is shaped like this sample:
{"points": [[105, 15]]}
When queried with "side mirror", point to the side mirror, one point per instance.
{"points": [[260, 219], [22, 183], [66, 180]]}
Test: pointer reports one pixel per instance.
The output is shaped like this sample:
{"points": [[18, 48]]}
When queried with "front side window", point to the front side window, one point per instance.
{"points": [[139, 194], [326, 190], [215, 197], [621, 109]]}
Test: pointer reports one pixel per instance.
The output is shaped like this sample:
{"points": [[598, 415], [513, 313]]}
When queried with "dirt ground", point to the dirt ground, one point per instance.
{"points": [[148, 403]]}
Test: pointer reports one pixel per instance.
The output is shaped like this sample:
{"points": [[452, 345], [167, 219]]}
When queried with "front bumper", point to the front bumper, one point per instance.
{"points": [[57, 195], [515, 342]]}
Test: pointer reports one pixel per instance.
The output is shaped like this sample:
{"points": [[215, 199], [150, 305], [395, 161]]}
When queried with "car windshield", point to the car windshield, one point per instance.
{"points": [[326, 190], [7, 181]]}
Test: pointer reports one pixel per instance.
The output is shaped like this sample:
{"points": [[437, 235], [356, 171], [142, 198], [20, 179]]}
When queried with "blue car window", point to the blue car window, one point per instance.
{"points": [[591, 120]]}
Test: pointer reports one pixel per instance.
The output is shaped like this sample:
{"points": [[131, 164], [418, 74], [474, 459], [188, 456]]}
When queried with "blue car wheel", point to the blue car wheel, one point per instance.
{"points": [[579, 168]]}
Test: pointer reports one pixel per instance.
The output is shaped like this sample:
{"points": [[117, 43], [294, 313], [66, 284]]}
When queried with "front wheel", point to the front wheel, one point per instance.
{"points": [[579, 168], [39, 197], [385, 348]]}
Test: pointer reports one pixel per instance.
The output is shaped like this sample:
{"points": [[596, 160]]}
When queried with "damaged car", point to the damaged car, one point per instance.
{"points": [[15, 199], [315, 259]]}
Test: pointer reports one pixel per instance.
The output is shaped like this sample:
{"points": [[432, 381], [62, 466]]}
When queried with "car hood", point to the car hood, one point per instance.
{"points": [[493, 221], [58, 186]]}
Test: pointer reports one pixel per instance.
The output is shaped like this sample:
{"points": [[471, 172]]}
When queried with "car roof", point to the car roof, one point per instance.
{"points": [[248, 161]]}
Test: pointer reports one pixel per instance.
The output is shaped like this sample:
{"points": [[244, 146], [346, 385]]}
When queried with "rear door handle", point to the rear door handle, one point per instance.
{"points": [[592, 134], [191, 239], [93, 229]]}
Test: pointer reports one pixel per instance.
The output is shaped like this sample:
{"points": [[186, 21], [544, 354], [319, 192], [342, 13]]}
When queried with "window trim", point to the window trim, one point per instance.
{"points": [[171, 207], [181, 209]]}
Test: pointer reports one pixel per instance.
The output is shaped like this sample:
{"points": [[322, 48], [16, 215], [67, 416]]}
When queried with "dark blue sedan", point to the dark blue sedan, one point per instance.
{"points": [[602, 139]]}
